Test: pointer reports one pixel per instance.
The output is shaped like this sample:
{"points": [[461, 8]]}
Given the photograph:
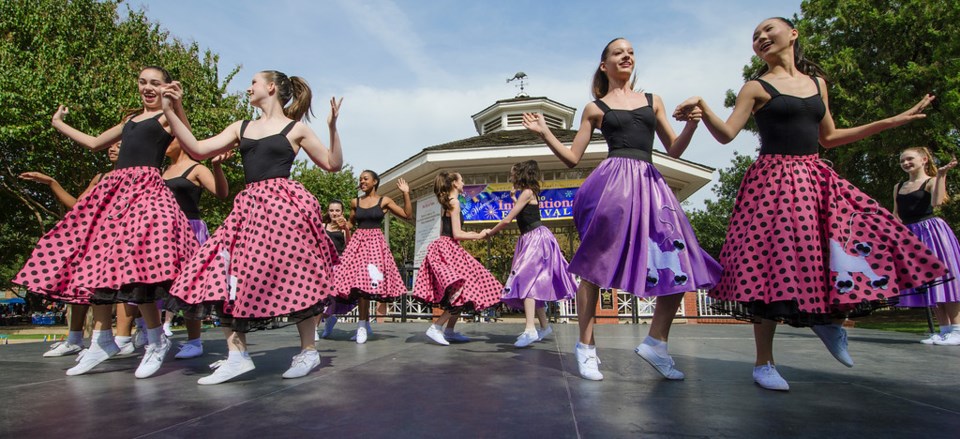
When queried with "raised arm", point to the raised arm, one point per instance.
{"points": [[673, 144], [939, 192], [59, 192], [831, 136], [458, 233], [201, 149], [407, 211], [102, 141], [327, 159], [572, 155], [526, 196], [214, 182]]}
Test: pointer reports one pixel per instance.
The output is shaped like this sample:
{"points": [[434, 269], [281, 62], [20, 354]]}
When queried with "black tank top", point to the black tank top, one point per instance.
{"points": [[446, 226], [144, 143], [186, 193], [339, 240], [629, 133], [267, 157], [789, 125], [529, 218], [915, 206], [369, 217]]}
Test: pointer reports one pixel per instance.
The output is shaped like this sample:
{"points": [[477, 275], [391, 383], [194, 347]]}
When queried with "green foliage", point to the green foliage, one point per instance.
{"points": [[710, 223], [325, 185], [84, 55]]}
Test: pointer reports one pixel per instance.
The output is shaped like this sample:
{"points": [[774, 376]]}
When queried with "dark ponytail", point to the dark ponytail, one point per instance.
{"points": [[289, 89], [800, 62]]}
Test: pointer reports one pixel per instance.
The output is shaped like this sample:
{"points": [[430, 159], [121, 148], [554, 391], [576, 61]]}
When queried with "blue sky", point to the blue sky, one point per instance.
{"points": [[412, 72]]}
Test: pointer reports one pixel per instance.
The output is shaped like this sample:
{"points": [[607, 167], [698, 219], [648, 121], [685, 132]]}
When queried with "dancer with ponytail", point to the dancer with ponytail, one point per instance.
{"points": [[123, 242], [805, 246], [634, 235], [270, 257], [913, 204]]}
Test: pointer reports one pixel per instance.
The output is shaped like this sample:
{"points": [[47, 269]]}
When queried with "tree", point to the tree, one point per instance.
{"points": [[710, 223], [82, 54], [881, 58], [327, 186]]}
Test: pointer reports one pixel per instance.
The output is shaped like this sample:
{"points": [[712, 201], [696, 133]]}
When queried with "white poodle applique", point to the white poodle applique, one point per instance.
{"points": [[658, 259], [375, 275], [845, 265]]}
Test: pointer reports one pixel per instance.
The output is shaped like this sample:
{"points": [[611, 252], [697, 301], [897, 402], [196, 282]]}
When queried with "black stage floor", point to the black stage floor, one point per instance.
{"points": [[399, 385]]}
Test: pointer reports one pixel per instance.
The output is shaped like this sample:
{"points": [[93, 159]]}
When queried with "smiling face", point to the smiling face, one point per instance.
{"points": [[367, 182], [148, 85], [618, 60], [114, 152], [912, 161], [259, 89], [335, 210], [773, 36]]}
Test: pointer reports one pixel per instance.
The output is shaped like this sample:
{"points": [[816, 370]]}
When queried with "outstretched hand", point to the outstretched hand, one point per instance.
{"points": [[952, 164], [535, 122], [403, 186], [42, 178], [915, 112], [334, 110]]}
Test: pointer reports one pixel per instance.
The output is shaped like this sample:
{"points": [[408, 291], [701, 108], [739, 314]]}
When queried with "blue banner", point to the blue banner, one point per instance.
{"points": [[490, 203]]}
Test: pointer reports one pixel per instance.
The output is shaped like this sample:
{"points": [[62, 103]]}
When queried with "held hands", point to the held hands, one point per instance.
{"points": [[688, 110], [940, 172], [403, 186], [220, 158], [334, 110], [485, 233], [535, 122], [915, 112], [48, 180], [171, 94]]}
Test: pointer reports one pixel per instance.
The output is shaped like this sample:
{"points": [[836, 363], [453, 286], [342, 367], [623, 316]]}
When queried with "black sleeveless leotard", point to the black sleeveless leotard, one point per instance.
{"points": [[915, 206], [529, 218], [629, 133], [144, 143], [186, 193], [789, 125], [369, 217], [267, 157]]}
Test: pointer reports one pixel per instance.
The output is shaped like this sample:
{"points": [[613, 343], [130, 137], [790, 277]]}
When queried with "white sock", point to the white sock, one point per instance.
{"points": [[586, 347], [101, 339], [154, 335], [236, 356], [660, 347], [196, 342], [122, 339], [75, 337], [953, 328]]}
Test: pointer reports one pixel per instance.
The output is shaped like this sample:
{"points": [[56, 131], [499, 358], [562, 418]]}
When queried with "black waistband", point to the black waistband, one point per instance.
{"points": [[632, 153], [530, 227]]}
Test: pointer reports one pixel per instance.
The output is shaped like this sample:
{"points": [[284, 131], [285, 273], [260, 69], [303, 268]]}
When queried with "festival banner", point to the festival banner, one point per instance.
{"points": [[491, 202]]}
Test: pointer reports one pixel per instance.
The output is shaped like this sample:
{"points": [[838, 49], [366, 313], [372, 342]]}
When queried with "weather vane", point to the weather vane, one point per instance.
{"points": [[522, 77]]}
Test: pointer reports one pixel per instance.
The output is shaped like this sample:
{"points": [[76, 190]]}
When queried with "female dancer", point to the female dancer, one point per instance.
{"points": [[539, 272], [187, 179], [271, 257], [634, 235], [913, 202], [367, 270], [338, 229], [78, 312], [124, 241], [790, 203], [449, 277]]}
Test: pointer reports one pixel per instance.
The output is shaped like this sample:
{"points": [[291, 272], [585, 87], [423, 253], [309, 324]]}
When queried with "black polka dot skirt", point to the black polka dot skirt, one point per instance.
{"points": [[451, 278], [269, 258], [124, 241], [367, 269], [805, 246]]}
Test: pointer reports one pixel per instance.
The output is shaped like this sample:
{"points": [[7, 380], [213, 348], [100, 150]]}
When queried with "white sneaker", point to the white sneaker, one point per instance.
{"points": [[316, 335], [126, 349], [361, 334], [525, 339], [436, 335], [90, 358], [768, 377], [225, 370], [302, 364], [153, 358], [932, 339], [664, 365], [328, 324], [455, 336], [167, 330], [189, 350], [62, 348], [950, 339], [588, 363], [140, 339], [834, 337], [544, 333]]}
